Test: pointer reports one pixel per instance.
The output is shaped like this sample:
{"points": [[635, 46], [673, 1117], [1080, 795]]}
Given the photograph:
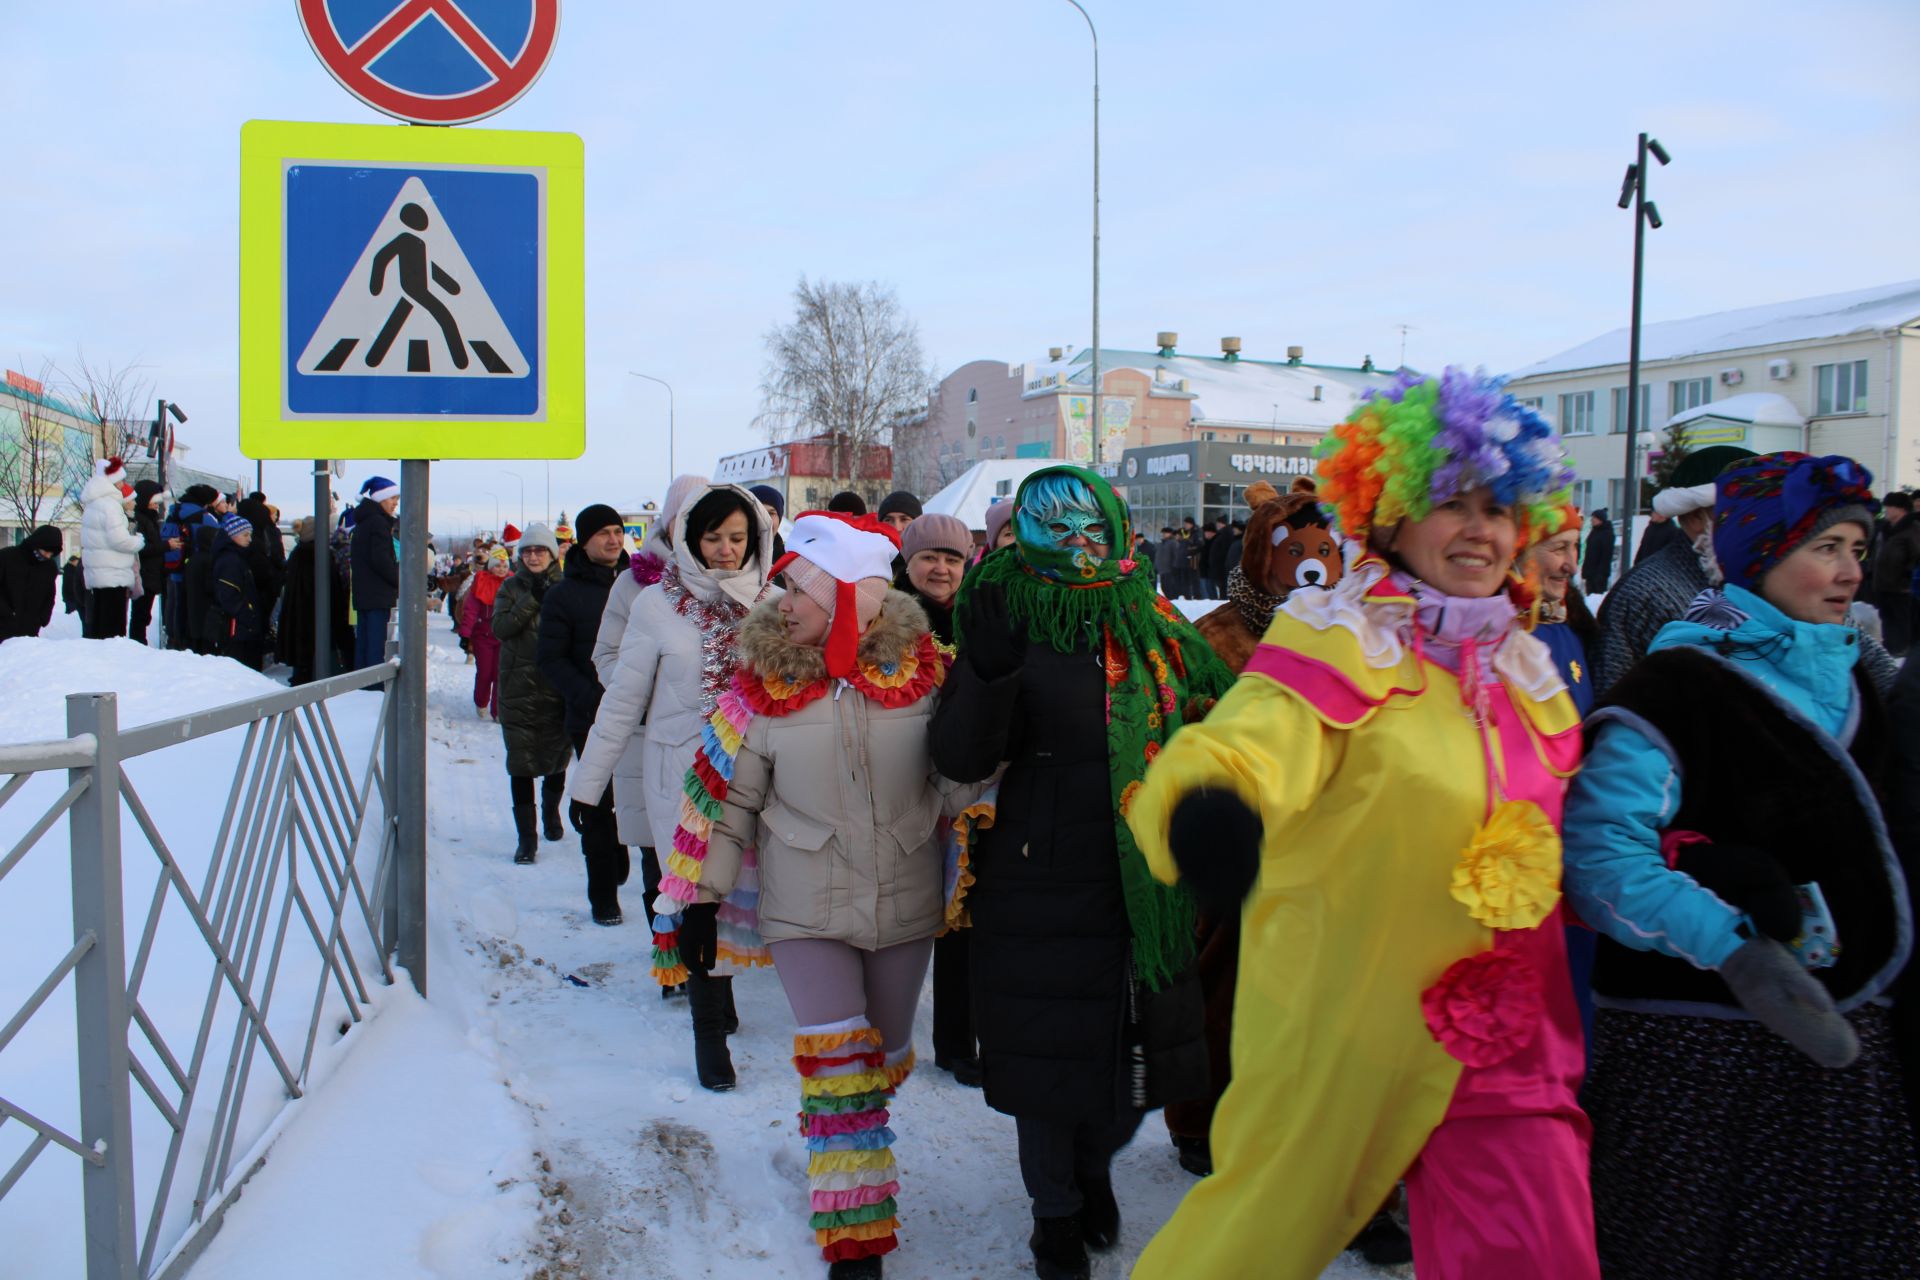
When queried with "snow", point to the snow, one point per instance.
{"points": [[1760, 408], [1832, 315], [1242, 392], [538, 1114]]}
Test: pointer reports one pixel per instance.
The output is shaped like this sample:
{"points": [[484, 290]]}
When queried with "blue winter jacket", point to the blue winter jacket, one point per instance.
{"points": [[1628, 790]]}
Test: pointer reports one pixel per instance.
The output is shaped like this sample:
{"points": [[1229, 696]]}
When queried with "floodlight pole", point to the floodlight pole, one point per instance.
{"points": [[1098, 427], [1636, 188]]}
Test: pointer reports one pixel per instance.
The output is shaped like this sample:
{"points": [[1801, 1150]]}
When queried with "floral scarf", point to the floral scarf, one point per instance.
{"points": [[1160, 672]]}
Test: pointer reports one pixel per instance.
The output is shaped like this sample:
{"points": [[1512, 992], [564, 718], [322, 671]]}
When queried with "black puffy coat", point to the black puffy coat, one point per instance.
{"points": [[146, 523], [26, 583], [569, 621], [235, 619], [1051, 943], [267, 553], [533, 715], [294, 639], [199, 588], [375, 567]]}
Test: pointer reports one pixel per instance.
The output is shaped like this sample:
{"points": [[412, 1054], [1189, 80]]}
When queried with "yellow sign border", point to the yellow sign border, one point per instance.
{"points": [[266, 431]]}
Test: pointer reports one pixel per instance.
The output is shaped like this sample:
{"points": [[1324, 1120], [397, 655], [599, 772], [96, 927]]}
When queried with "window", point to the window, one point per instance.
{"points": [[1842, 387], [1688, 393], [1583, 496], [973, 395], [1617, 501], [1536, 403], [1576, 414], [1619, 427]]}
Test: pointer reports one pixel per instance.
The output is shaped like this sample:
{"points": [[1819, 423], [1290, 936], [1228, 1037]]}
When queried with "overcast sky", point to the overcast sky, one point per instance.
{"points": [[1317, 174]]}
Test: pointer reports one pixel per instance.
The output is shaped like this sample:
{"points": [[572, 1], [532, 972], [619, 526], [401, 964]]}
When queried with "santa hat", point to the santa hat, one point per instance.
{"points": [[510, 536], [379, 488], [844, 564], [115, 470]]}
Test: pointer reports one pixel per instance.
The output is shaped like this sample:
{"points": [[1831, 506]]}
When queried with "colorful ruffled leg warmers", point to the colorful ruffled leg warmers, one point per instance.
{"points": [[846, 1084]]}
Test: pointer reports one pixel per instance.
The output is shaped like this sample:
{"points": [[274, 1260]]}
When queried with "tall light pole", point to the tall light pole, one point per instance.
{"points": [[672, 470], [1633, 191], [1099, 426], [496, 510], [523, 494]]}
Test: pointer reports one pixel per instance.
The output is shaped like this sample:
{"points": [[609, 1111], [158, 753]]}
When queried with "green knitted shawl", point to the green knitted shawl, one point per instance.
{"points": [[1159, 671]]}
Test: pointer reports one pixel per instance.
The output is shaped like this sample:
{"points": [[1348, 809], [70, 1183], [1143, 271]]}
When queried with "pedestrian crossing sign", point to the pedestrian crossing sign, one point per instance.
{"points": [[411, 293]]}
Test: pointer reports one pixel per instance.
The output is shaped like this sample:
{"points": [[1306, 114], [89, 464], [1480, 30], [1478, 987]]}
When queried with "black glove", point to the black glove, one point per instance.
{"points": [[996, 643], [1215, 840], [580, 815], [1776, 988], [1747, 879], [700, 936]]}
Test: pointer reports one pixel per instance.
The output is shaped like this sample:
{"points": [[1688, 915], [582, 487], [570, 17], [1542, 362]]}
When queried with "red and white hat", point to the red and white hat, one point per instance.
{"points": [[115, 470], [844, 564], [510, 536]]}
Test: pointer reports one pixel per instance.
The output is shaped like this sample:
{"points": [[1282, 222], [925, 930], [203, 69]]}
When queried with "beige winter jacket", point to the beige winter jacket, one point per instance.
{"points": [[839, 797]]}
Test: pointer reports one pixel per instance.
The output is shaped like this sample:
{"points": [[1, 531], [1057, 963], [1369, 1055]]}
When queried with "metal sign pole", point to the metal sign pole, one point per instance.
{"points": [[409, 783], [322, 570]]}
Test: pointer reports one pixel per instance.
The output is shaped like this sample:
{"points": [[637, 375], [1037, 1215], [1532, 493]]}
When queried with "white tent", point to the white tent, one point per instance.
{"points": [[980, 485]]}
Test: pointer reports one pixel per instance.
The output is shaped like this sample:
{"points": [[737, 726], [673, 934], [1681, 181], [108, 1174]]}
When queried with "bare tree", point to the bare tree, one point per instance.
{"points": [[117, 397], [38, 462], [846, 369]]}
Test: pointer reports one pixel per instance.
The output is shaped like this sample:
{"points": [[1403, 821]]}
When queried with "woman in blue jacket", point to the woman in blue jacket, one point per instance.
{"points": [[1726, 839]]}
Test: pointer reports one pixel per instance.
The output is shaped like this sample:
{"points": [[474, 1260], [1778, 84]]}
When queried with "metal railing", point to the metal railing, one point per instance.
{"points": [[292, 917]]}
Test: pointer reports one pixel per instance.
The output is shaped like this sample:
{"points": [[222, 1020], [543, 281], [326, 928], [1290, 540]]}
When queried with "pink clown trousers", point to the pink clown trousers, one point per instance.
{"points": [[1501, 1188]]}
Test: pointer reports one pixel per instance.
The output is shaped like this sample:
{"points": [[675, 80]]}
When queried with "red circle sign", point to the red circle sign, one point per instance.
{"points": [[402, 61]]}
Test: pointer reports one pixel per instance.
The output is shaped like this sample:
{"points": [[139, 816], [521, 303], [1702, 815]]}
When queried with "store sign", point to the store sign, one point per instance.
{"points": [[1170, 464], [1269, 464]]}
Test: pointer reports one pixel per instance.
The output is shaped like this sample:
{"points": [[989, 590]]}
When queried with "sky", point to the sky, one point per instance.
{"points": [[1307, 173]]}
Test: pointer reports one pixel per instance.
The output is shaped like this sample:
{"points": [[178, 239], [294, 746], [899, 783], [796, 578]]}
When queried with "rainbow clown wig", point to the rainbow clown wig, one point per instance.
{"points": [[1424, 440]]}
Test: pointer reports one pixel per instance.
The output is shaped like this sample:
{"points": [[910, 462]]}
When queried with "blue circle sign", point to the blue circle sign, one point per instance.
{"points": [[433, 61]]}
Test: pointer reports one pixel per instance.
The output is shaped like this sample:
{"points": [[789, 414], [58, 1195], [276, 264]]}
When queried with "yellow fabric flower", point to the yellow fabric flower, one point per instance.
{"points": [[1508, 876], [1126, 796]]}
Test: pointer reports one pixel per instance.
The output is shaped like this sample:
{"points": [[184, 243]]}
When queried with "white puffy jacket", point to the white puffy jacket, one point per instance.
{"points": [[109, 548]]}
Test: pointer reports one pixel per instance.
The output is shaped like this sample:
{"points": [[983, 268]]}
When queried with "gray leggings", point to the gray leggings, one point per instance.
{"points": [[828, 981]]}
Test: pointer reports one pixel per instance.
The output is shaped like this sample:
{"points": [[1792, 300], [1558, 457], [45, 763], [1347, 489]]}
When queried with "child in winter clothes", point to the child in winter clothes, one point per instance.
{"points": [[830, 778], [1726, 837], [476, 614], [235, 623]]}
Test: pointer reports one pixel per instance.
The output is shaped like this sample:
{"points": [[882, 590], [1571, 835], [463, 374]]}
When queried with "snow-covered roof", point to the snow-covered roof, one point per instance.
{"points": [[969, 496], [1254, 393], [1835, 315], [1759, 408]]}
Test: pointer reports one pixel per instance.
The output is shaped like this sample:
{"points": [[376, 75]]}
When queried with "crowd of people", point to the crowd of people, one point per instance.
{"points": [[1447, 917]]}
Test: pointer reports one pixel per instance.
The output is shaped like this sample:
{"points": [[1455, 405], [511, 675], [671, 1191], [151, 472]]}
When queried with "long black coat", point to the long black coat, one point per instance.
{"points": [[267, 553], [533, 715], [375, 568], [153, 556], [294, 640], [1596, 570], [1051, 943], [569, 621], [235, 619], [199, 589], [26, 585]]}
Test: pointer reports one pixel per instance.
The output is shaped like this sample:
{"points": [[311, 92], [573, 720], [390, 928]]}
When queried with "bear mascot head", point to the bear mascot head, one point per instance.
{"points": [[1288, 547]]}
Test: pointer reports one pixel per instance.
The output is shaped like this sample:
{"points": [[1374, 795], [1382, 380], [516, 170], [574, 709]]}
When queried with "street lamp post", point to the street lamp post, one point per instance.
{"points": [[496, 510], [1633, 191], [523, 494], [672, 470], [1099, 426]]}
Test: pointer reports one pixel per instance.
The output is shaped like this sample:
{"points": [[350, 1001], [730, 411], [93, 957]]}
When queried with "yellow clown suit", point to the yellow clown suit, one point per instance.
{"points": [[1403, 1007]]}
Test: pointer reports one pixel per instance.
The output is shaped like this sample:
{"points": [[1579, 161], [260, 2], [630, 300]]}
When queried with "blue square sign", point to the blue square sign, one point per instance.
{"points": [[413, 292]]}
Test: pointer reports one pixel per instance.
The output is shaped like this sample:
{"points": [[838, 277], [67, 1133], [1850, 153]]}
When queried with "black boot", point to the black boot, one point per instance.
{"points": [[551, 789], [1196, 1155], [1384, 1242], [1059, 1252], [731, 1024], [711, 1061], [1099, 1213], [529, 846], [855, 1269]]}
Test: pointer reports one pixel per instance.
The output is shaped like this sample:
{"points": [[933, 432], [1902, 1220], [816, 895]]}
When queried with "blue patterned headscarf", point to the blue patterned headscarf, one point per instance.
{"points": [[1767, 505]]}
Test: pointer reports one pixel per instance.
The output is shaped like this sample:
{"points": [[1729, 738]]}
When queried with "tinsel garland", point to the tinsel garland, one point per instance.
{"points": [[718, 622]]}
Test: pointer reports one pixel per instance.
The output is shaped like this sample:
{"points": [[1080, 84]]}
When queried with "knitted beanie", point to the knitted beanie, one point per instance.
{"points": [[538, 535], [593, 519], [900, 502], [997, 516], [936, 532]]}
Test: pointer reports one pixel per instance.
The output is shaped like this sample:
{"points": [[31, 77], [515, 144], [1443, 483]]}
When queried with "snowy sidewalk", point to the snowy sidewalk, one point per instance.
{"points": [[539, 1115]]}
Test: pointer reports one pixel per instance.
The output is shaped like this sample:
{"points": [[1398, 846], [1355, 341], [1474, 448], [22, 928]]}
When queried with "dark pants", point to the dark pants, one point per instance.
{"points": [[953, 1038], [553, 785], [248, 653], [1057, 1158], [142, 617], [370, 638], [173, 606], [106, 613], [607, 862], [1218, 966], [1896, 621]]}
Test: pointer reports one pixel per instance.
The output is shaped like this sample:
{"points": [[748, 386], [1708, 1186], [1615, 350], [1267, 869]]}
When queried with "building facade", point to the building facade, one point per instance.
{"points": [[47, 448], [1149, 398], [1204, 479], [803, 472], [1848, 365]]}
